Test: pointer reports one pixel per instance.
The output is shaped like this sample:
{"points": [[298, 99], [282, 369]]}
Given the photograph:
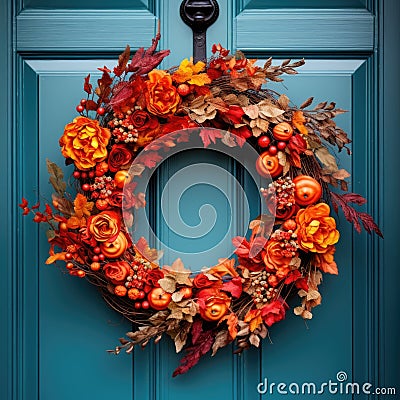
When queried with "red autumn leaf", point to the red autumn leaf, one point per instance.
{"points": [[87, 87], [122, 61], [292, 277], [146, 60], [201, 347], [36, 206], [91, 105], [104, 86], [48, 210], [296, 146], [234, 287], [234, 114], [210, 135], [241, 134], [197, 329], [352, 215], [149, 159], [24, 203]]}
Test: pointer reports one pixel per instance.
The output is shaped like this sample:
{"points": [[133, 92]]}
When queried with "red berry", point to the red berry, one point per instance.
{"points": [[138, 305], [83, 102], [272, 150], [102, 257], [95, 258], [80, 108], [142, 294], [91, 174], [183, 89], [145, 305], [97, 250], [83, 175], [101, 111], [85, 187], [69, 265], [264, 141], [77, 174], [281, 145], [68, 256]]}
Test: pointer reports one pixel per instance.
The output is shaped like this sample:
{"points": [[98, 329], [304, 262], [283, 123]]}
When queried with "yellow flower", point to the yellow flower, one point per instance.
{"points": [[189, 72], [316, 229]]}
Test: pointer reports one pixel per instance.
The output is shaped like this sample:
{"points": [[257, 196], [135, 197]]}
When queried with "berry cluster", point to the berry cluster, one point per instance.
{"points": [[263, 285], [122, 128]]}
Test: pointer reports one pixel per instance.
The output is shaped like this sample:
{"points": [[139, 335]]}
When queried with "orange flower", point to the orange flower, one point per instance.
{"points": [[85, 142], [162, 97], [316, 229], [275, 260], [116, 271], [326, 262], [213, 303], [105, 226]]}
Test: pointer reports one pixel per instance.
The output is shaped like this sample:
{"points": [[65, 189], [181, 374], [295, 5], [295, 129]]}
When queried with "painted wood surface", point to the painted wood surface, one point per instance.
{"points": [[48, 317]]}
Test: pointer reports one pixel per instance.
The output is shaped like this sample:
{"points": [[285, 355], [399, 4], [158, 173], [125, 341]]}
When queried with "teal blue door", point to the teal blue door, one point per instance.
{"points": [[58, 328]]}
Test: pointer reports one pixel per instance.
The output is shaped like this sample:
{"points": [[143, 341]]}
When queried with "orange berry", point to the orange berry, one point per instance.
{"points": [[120, 290], [69, 265], [133, 294], [81, 273], [95, 266]]}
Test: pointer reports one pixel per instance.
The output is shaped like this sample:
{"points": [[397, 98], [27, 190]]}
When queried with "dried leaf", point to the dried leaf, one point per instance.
{"points": [[326, 158], [56, 177], [222, 339], [283, 101], [307, 103], [122, 61]]}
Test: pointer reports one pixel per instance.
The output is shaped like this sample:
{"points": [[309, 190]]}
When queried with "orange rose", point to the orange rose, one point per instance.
{"points": [[105, 226], [162, 97], [275, 260], [213, 304], [316, 229], [116, 271], [85, 142]]}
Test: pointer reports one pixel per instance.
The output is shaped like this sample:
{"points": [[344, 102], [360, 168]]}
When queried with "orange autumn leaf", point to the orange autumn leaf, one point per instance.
{"points": [[232, 321], [253, 317], [82, 207], [55, 256], [189, 72], [326, 262], [298, 120], [76, 223], [225, 267]]}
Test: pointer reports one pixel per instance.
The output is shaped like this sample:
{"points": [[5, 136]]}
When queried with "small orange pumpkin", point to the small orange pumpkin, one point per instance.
{"points": [[307, 190], [116, 248], [267, 165], [282, 131]]}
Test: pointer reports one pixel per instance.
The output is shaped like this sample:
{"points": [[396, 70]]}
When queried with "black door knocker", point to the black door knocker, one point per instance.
{"points": [[199, 15]]}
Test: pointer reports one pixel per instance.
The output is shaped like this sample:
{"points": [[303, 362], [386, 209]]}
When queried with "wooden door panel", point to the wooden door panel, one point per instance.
{"points": [[64, 327], [67, 326]]}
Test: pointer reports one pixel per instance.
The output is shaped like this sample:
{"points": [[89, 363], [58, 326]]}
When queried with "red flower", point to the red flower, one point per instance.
{"points": [[154, 276], [143, 121], [201, 281], [116, 271], [274, 312], [120, 156]]}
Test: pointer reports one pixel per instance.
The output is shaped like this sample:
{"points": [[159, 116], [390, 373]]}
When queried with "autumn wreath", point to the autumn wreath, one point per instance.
{"points": [[288, 249]]}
